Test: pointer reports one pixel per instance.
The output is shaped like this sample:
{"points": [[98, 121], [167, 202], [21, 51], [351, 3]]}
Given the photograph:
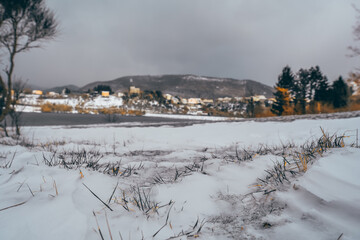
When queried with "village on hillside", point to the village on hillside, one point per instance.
{"points": [[135, 101]]}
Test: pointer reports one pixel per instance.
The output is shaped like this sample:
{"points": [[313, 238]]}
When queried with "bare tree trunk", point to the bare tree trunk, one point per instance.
{"points": [[3, 126], [15, 120], [7, 100]]}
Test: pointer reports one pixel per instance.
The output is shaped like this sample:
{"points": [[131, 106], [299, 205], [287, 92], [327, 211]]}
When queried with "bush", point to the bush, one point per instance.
{"points": [[136, 112], [48, 107], [121, 111], [82, 110], [112, 110], [265, 113]]}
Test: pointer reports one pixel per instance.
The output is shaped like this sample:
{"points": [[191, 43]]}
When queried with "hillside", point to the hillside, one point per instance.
{"points": [[189, 86], [72, 88]]}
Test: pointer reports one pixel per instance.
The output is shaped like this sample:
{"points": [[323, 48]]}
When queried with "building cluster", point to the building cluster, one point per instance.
{"points": [[155, 102]]}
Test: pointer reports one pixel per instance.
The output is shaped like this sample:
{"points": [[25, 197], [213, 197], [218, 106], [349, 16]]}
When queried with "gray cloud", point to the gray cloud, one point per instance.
{"points": [[255, 39]]}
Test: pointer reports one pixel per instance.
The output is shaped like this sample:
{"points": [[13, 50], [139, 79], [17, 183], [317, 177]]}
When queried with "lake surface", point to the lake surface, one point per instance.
{"points": [[53, 119]]}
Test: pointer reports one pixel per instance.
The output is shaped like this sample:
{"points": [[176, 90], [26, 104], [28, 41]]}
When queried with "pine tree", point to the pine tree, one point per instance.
{"points": [[340, 93], [301, 89], [283, 88], [322, 91], [315, 79], [286, 79], [282, 104]]}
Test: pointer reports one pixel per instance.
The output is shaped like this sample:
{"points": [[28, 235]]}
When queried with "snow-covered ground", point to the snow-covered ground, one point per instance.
{"points": [[104, 102], [188, 182], [92, 103], [190, 117]]}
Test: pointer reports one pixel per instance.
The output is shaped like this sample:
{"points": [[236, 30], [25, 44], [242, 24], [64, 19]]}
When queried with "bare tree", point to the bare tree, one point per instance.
{"points": [[18, 88], [355, 50], [24, 24]]}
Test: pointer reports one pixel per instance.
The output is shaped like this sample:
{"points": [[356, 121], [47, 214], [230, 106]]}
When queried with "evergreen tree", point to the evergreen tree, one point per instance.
{"points": [[315, 78], [340, 93], [284, 87], [250, 108], [286, 79], [301, 89], [322, 91], [100, 88], [282, 104]]}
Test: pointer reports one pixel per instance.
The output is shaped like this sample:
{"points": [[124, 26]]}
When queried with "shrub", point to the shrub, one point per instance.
{"points": [[63, 108], [265, 113], [48, 107], [112, 110], [136, 112], [121, 111], [82, 110]]}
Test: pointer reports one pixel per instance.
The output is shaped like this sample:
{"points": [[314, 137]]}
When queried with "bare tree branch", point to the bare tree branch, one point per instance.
{"points": [[23, 25], [355, 50]]}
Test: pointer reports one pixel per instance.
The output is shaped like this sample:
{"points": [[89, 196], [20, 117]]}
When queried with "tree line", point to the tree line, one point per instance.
{"points": [[307, 89]]}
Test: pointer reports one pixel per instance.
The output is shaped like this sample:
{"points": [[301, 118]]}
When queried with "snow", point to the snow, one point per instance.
{"points": [[327, 199], [190, 117], [26, 108], [30, 99], [104, 102], [30, 103], [322, 203], [194, 77]]}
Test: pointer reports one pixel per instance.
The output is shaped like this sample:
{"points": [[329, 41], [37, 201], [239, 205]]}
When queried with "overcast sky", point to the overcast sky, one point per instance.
{"points": [[245, 39]]}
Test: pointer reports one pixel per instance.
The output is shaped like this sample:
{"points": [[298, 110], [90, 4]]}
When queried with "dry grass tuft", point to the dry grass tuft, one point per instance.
{"points": [[48, 107]]}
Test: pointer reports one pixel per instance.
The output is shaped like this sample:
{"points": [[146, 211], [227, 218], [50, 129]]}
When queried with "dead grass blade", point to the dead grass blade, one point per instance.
{"points": [[113, 192], [121, 238], [107, 223], [16, 205], [98, 197], [21, 185], [30, 190], [167, 219], [56, 190], [97, 223], [8, 165], [340, 236]]}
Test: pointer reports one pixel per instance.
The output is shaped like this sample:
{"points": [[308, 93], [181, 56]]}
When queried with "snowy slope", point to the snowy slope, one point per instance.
{"points": [[191, 172], [325, 202]]}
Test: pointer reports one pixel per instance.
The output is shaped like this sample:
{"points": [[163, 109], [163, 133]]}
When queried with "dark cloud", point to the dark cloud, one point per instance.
{"points": [[255, 39]]}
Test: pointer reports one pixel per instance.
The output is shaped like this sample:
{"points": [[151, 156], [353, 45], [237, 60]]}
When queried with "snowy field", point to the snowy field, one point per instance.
{"points": [[205, 181]]}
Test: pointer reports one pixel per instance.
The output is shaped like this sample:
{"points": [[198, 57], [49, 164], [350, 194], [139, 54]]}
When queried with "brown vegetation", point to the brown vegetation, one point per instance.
{"points": [[48, 107], [121, 111]]}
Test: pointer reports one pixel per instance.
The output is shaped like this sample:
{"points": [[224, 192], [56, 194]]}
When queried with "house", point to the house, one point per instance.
{"points": [[271, 100], [120, 94], [37, 92], [208, 101], [175, 100], [224, 100], [194, 101], [258, 98], [134, 90], [52, 94], [167, 96], [184, 101], [105, 93]]}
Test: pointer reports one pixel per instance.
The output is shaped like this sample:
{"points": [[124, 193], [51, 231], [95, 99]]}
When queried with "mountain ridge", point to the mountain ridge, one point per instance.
{"points": [[71, 87], [188, 85]]}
